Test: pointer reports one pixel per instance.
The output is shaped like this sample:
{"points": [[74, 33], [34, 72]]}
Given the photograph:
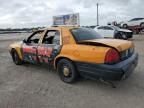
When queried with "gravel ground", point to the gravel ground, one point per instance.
{"points": [[35, 86]]}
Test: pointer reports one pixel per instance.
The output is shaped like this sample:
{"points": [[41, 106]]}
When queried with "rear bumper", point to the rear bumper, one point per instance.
{"points": [[113, 72]]}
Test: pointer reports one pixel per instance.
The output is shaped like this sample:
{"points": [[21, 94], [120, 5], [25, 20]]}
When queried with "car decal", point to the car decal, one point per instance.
{"points": [[47, 55], [29, 53]]}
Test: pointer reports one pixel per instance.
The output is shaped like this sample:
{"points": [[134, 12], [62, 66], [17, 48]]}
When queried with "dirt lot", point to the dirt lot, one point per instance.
{"points": [[34, 86]]}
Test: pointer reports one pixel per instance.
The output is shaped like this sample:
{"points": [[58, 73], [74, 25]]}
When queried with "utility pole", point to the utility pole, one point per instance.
{"points": [[97, 15]]}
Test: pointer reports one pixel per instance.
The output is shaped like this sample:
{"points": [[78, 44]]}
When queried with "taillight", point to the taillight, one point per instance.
{"points": [[112, 56]]}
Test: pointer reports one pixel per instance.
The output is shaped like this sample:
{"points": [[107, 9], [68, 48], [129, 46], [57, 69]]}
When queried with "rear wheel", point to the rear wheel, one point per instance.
{"points": [[67, 71], [16, 58]]}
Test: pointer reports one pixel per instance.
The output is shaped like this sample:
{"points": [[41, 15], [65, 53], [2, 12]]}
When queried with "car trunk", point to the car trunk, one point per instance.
{"points": [[120, 45], [125, 48]]}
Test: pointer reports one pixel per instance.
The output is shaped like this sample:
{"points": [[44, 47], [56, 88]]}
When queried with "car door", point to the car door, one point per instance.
{"points": [[100, 30], [29, 47], [109, 32], [50, 46], [133, 22], [138, 21]]}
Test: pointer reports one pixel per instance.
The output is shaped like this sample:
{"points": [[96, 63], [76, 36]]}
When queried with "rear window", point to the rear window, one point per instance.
{"points": [[81, 34]]}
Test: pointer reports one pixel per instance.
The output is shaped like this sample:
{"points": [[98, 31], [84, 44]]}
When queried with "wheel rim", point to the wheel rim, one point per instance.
{"points": [[66, 71], [123, 36]]}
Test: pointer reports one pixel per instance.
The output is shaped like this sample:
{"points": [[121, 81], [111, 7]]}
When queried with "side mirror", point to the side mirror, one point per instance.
{"points": [[24, 41]]}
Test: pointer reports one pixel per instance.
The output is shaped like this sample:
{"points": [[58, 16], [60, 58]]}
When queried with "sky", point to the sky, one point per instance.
{"points": [[33, 13]]}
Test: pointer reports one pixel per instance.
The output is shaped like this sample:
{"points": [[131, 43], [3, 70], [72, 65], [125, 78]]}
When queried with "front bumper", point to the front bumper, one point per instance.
{"points": [[113, 72], [128, 34]]}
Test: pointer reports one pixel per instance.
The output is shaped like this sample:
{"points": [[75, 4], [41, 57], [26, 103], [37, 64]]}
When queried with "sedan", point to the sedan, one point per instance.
{"points": [[77, 51], [113, 32]]}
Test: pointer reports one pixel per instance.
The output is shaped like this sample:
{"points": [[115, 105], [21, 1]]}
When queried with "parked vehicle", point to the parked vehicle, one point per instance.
{"points": [[139, 22], [113, 32], [75, 51]]}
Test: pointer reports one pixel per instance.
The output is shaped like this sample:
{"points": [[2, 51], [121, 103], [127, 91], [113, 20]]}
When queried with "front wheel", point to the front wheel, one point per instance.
{"points": [[123, 36], [125, 26], [142, 25], [67, 71], [16, 58]]}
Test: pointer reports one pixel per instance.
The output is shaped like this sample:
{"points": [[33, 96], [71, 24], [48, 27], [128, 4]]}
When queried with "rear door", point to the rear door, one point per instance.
{"points": [[29, 48], [50, 46]]}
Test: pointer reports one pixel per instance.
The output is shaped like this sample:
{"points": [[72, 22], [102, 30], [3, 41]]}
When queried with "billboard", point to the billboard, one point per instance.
{"points": [[69, 19]]}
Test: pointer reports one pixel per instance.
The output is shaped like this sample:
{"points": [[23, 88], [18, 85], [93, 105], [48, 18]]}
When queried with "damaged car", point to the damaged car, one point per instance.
{"points": [[77, 51]]}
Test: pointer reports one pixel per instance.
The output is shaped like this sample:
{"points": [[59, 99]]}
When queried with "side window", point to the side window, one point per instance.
{"points": [[100, 28], [135, 19], [108, 28], [140, 19], [56, 39], [34, 38], [52, 37]]}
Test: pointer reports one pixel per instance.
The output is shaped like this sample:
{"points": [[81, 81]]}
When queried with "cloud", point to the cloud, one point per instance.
{"points": [[26, 13]]}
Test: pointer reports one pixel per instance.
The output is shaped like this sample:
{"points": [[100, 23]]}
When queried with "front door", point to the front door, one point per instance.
{"points": [[50, 47], [29, 48], [109, 32]]}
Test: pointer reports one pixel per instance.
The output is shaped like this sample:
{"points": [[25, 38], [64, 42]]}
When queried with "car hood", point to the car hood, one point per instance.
{"points": [[120, 45], [125, 30]]}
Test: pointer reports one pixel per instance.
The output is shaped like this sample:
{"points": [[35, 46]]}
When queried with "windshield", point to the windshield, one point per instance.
{"points": [[81, 34]]}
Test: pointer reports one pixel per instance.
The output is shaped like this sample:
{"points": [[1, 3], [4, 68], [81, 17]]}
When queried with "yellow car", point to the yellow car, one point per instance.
{"points": [[77, 51]]}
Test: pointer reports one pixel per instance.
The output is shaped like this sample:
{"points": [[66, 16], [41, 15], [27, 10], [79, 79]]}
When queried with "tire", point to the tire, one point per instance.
{"points": [[125, 26], [117, 36], [16, 58], [67, 71], [123, 36]]}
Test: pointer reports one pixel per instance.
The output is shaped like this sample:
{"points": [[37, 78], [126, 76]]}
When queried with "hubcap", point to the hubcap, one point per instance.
{"points": [[124, 36], [66, 71]]}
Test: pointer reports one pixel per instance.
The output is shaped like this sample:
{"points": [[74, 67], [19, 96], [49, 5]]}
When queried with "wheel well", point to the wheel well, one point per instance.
{"points": [[141, 23], [58, 59]]}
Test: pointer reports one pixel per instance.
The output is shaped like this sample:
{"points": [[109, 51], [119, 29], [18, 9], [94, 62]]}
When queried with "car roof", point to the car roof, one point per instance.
{"points": [[105, 26], [60, 27]]}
